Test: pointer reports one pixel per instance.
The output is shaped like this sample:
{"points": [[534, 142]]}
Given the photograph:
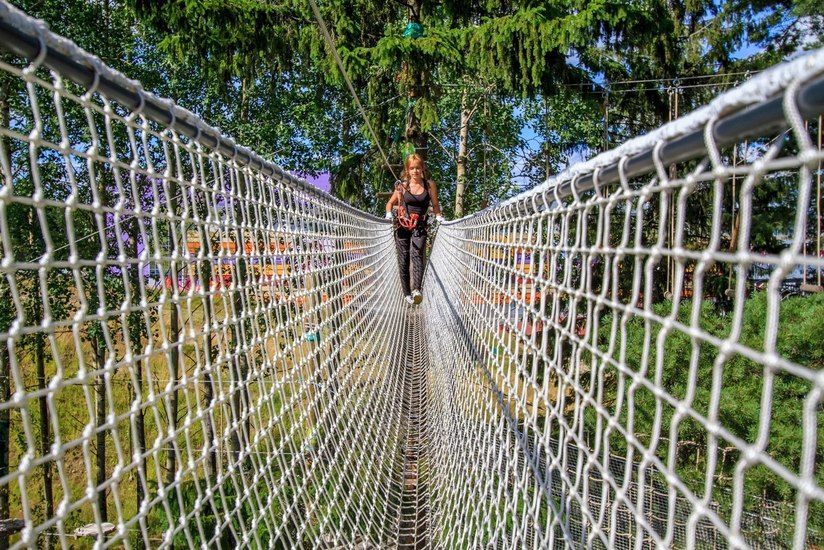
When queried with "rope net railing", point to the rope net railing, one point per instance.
{"points": [[198, 349], [630, 355]]}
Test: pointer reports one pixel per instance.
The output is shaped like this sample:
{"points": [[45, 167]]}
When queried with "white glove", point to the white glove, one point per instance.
{"points": [[389, 215], [439, 219]]}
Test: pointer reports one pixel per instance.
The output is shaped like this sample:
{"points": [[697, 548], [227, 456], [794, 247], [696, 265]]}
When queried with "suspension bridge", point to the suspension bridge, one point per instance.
{"points": [[199, 349]]}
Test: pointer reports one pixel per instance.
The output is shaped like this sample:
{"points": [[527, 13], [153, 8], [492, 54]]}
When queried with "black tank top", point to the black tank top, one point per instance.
{"points": [[417, 204]]}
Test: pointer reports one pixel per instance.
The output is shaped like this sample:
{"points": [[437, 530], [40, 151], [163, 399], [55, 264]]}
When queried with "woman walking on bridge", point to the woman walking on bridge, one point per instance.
{"points": [[412, 195]]}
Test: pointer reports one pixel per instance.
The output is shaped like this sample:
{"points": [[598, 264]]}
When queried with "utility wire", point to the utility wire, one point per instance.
{"points": [[659, 89], [334, 50], [674, 79], [666, 80], [97, 232], [375, 106]]}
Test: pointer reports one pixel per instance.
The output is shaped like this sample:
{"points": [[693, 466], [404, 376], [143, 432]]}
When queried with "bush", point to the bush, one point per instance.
{"points": [[688, 372]]}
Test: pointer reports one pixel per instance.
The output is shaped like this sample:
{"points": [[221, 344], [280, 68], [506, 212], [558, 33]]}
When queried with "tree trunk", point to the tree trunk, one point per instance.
{"points": [[171, 458], [135, 328], [606, 123], [205, 276], [45, 433], [463, 139], [140, 442], [345, 142], [244, 99], [174, 335], [136, 336], [5, 421], [736, 225], [35, 316], [234, 365], [414, 132], [100, 364], [546, 137], [6, 314], [36, 243], [205, 272], [239, 368]]}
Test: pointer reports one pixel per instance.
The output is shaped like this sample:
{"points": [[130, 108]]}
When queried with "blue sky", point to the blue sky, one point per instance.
{"points": [[321, 181]]}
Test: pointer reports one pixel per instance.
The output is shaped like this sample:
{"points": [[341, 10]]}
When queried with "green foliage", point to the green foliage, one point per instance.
{"points": [[524, 51], [223, 504], [229, 37], [688, 370], [263, 73], [494, 147], [568, 124]]}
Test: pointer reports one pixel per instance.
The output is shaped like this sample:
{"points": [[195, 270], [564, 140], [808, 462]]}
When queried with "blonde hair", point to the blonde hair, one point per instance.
{"points": [[409, 160]]}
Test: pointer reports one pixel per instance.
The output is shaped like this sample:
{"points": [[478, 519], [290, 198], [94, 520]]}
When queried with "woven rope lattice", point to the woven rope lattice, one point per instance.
{"points": [[586, 391], [200, 350], [207, 334]]}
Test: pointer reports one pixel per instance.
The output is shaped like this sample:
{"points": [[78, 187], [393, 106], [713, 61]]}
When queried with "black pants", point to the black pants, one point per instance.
{"points": [[411, 245]]}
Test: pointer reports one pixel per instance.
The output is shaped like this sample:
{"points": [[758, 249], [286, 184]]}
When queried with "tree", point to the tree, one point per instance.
{"points": [[527, 58], [385, 55], [35, 232], [468, 109], [528, 50], [490, 140], [7, 317]]}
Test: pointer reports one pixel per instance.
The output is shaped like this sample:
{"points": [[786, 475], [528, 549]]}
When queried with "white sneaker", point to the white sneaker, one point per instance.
{"points": [[416, 297], [409, 300]]}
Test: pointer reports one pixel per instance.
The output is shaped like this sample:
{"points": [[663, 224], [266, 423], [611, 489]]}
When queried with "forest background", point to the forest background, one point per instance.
{"points": [[498, 95]]}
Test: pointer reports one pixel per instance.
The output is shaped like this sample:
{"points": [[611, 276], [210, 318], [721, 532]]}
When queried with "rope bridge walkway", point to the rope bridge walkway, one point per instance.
{"points": [[200, 350]]}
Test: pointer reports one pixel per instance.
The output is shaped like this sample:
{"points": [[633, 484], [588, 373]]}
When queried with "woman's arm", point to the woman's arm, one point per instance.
{"points": [[393, 200]]}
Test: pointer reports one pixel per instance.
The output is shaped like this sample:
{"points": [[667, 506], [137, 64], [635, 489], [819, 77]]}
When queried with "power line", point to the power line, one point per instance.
{"points": [[677, 78], [334, 50], [660, 89], [663, 80], [375, 106]]}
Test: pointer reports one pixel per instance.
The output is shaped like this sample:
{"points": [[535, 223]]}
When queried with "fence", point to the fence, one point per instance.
{"points": [[635, 343]]}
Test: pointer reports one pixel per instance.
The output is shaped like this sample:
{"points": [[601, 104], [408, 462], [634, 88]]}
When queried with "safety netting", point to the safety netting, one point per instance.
{"points": [[617, 359], [199, 349]]}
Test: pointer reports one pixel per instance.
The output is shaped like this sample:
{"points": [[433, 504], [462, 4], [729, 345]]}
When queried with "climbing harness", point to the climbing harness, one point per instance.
{"points": [[405, 219]]}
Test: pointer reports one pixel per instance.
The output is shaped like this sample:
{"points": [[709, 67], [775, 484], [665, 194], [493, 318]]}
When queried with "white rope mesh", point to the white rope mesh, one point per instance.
{"points": [[586, 391], [199, 350], [213, 328]]}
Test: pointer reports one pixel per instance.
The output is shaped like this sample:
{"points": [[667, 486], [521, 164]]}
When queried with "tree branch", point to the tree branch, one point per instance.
{"points": [[402, 3], [449, 153], [477, 102]]}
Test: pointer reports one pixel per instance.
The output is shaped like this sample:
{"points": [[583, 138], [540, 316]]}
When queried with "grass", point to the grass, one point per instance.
{"points": [[281, 399], [72, 402]]}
